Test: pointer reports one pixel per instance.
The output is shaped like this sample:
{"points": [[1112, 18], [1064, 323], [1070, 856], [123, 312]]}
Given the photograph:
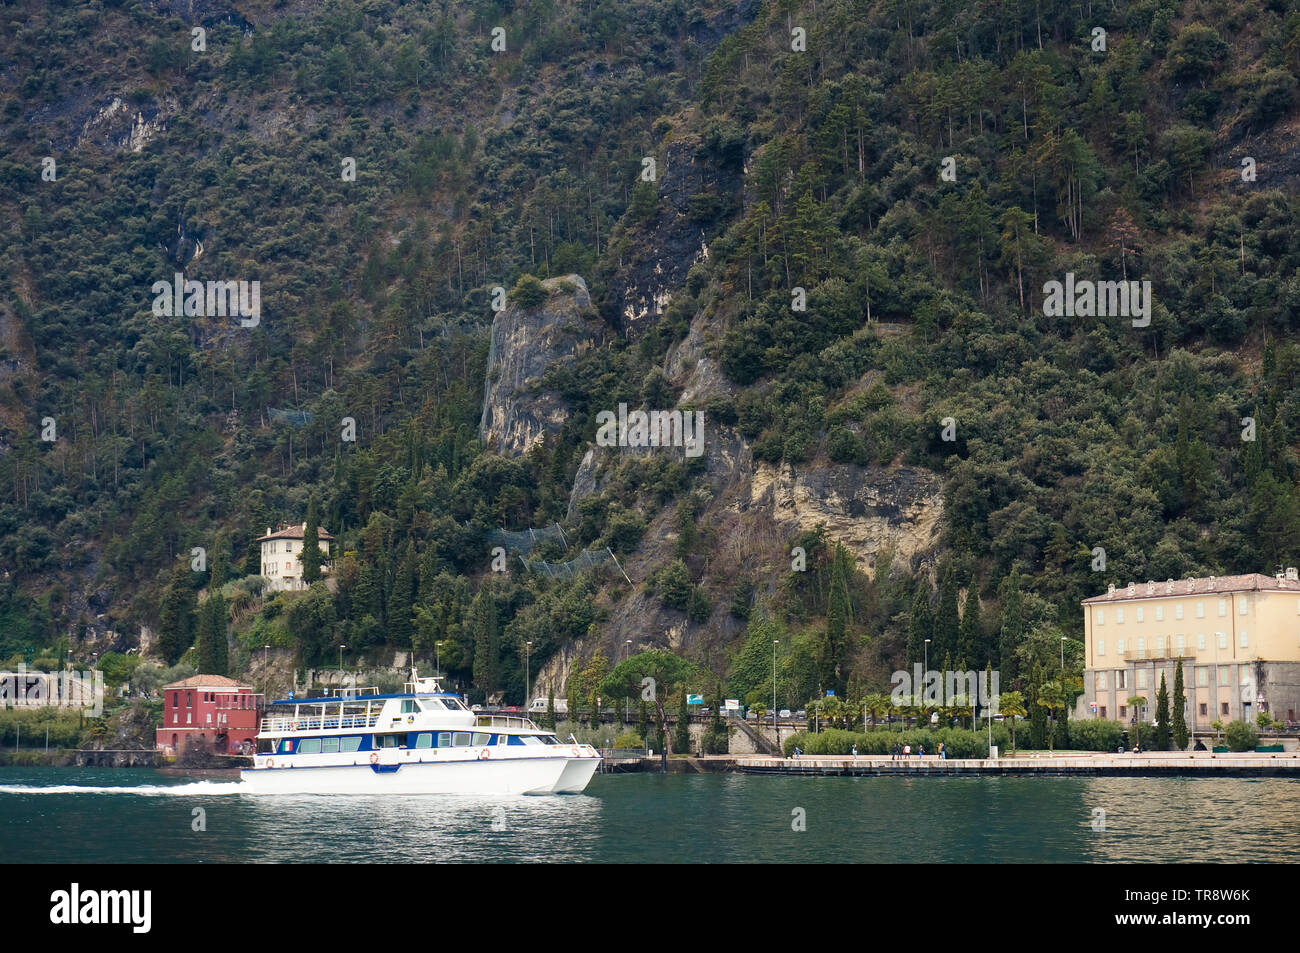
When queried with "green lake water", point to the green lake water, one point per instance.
{"points": [[63, 815]]}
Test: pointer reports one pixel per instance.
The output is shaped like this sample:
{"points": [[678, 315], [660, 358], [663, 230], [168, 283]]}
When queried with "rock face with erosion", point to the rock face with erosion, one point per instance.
{"points": [[865, 508], [526, 342]]}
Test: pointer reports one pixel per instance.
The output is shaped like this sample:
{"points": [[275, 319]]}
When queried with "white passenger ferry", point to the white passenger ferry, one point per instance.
{"points": [[423, 741]]}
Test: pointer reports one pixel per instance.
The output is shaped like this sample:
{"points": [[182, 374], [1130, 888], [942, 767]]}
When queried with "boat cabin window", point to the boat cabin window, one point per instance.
{"points": [[350, 743], [454, 704], [503, 739], [409, 706], [265, 745], [329, 745], [460, 739], [309, 746], [432, 704], [532, 740], [390, 741], [424, 739], [516, 739], [481, 738], [444, 739]]}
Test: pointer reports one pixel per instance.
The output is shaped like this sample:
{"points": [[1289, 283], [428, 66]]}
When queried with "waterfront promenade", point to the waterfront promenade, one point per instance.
{"points": [[1147, 764]]}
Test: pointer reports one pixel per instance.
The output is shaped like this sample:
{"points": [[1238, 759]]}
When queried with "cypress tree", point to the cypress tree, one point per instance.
{"points": [[1181, 736], [1061, 737], [311, 555], [682, 736], [971, 645], [947, 622], [402, 598], [486, 641], [1162, 716], [176, 615], [831, 667], [1013, 628], [549, 721], [921, 624], [213, 650]]}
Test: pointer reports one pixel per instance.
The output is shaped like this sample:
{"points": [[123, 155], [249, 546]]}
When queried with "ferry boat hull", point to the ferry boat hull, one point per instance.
{"points": [[509, 776]]}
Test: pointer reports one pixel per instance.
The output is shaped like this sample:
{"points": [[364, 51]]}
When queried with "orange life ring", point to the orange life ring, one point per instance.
{"points": [[270, 762], [293, 726], [574, 751], [485, 754], [374, 757]]}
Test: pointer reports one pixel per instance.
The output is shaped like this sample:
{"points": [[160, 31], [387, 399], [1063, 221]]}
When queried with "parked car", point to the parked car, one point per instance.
{"points": [[538, 707], [785, 713]]}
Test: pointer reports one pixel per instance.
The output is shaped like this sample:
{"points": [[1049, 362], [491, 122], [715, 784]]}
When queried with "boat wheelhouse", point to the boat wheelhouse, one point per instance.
{"points": [[422, 741]]}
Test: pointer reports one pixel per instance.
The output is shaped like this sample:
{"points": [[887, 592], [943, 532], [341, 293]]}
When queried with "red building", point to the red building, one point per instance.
{"points": [[210, 710]]}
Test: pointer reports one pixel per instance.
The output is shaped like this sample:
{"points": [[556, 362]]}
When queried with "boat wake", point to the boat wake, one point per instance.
{"points": [[192, 789]]}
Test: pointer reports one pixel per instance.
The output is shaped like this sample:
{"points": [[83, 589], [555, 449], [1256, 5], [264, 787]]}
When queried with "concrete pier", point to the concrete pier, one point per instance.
{"points": [[1153, 764]]}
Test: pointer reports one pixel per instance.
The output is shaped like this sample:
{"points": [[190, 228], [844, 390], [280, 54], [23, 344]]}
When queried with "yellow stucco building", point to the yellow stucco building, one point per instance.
{"points": [[1238, 638]]}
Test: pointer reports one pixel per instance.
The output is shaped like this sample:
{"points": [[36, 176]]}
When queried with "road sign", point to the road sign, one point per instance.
{"points": [[732, 704], [694, 699]]}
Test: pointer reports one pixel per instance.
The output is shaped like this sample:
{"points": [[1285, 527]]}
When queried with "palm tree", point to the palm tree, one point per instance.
{"points": [[1012, 706], [1136, 703], [1051, 695], [875, 706]]}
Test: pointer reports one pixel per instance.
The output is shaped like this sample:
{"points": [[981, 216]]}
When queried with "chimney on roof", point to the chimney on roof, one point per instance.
{"points": [[1212, 578], [1110, 590], [1291, 573], [268, 531]]}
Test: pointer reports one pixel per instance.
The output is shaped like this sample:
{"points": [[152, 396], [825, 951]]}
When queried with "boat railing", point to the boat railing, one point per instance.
{"points": [[320, 722], [504, 721]]}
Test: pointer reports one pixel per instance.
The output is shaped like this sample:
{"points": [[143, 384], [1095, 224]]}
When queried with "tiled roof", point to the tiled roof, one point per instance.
{"points": [[1251, 581], [207, 681], [294, 532]]}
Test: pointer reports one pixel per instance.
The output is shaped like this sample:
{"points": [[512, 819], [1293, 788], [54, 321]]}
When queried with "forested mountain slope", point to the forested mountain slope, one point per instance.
{"points": [[911, 173]]}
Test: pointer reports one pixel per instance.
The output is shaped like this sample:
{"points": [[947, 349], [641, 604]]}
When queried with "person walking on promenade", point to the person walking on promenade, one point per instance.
{"points": [[907, 751], [920, 751], [943, 756], [855, 752]]}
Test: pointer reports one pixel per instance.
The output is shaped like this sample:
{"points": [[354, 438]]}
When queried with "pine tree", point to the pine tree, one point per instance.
{"points": [[1181, 736], [947, 622], [1162, 716], [311, 555], [176, 615]]}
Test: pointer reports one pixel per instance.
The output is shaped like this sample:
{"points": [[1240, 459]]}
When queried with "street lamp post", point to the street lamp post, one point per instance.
{"points": [[528, 673], [627, 653], [1062, 653], [925, 674], [775, 730], [437, 659], [341, 648]]}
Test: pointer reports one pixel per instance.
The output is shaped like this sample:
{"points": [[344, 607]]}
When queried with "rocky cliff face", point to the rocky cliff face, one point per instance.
{"points": [[694, 186], [525, 343], [865, 508]]}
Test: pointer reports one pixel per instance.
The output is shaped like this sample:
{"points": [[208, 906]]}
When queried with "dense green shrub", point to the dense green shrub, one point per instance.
{"points": [[1240, 736]]}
